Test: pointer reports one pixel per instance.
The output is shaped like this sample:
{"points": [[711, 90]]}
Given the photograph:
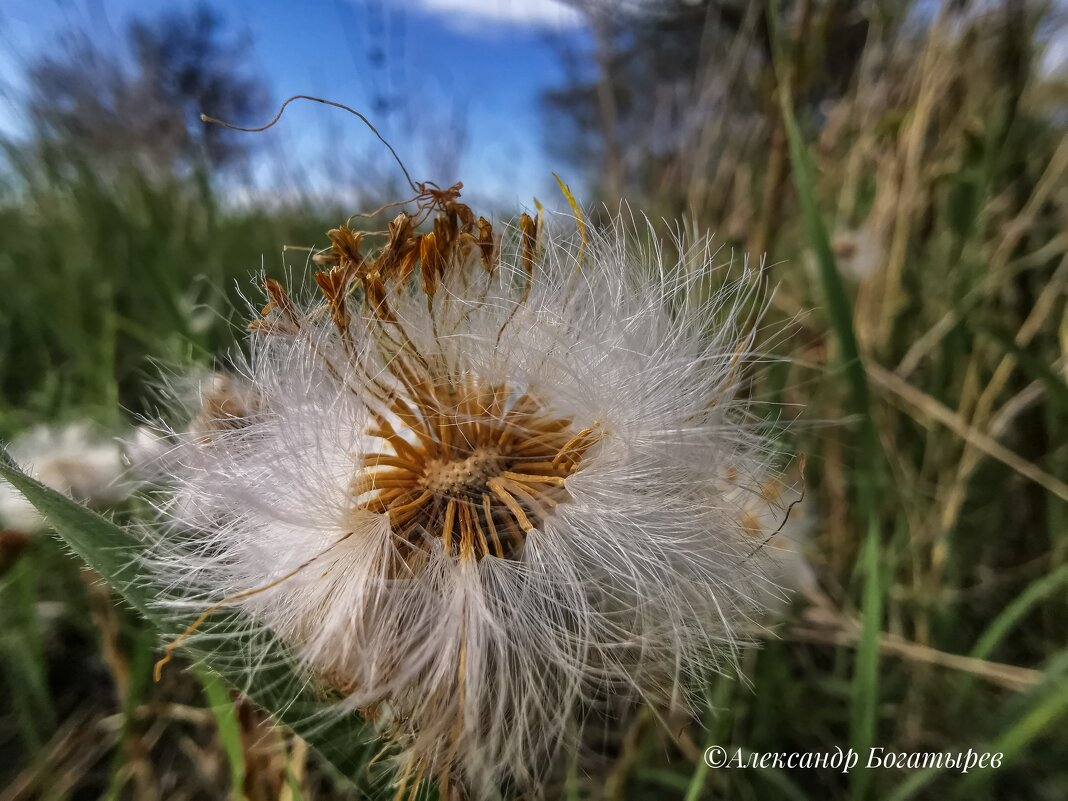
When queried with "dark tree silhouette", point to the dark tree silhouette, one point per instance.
{"points": [[146, 104]]}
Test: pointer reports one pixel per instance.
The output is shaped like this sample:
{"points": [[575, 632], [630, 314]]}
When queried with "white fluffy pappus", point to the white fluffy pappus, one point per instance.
{"points": [[72, 459], [476, 507]]}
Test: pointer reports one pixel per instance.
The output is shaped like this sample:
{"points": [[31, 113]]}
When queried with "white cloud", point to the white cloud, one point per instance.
{"points": [[470, 14]]}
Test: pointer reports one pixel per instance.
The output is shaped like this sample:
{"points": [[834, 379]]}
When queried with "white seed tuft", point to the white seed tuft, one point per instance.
{"points": [[71, 459], [476, 509]]}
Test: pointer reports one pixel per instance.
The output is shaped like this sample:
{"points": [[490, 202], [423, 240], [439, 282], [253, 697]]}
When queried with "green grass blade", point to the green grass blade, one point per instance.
{"points": [[140, 670], [273, 682], [1051, 707], [222, 709], [865, 689], [839, 309], [667, 779], [1037, 591], [781, 783], [718, 721], [914, 784], [22, 654], [865, 692]]}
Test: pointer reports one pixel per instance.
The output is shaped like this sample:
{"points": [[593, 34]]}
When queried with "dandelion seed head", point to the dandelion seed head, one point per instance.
{"points": [[476, 484]]}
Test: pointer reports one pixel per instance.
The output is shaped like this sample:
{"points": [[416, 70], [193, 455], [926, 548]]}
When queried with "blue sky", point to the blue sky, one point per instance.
{"points": [[479, 63]]}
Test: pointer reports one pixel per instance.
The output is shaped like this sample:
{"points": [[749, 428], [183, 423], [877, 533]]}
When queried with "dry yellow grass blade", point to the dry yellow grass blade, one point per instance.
{"points": [[829, 626], [936, 411]]}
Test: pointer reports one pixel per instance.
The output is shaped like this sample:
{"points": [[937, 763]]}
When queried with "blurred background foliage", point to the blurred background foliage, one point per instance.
{"points": [[918, 217]]}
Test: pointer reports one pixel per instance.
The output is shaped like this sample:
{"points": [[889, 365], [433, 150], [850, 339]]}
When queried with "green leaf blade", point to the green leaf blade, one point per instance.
{"points": [[270, 679]]}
